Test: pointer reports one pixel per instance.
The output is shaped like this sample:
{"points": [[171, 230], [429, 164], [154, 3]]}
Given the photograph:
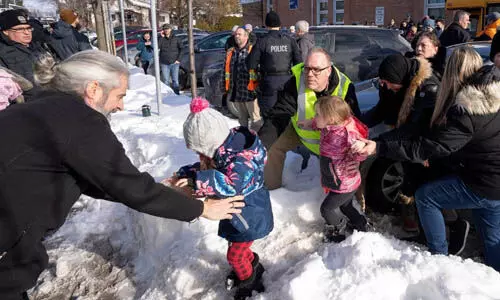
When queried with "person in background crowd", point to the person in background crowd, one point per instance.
{"points": [[252, 37], [170, 52], [236, 82], [231, 163], [275, 53], [428, 24], [412, 32], [15, 39], [403, 29], [292, 29], [465, 126], [492, 23], [315, 78], [67, 40], [340, 132], [63, 147], [230, 40], [392, 25], [305, 40], [439, 27], [456, 33], [145, 48]]}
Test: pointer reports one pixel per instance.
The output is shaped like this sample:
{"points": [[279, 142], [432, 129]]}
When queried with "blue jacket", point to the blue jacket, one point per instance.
{"points": [[239, 171], [146, 52]]}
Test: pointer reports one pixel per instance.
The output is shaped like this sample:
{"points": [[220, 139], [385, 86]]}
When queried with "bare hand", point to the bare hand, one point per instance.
{"points": [[305, 124], [219, 209], [181, 182], [177, 62], [358, 146], [147, 43], [370, 148], [426, 163]]}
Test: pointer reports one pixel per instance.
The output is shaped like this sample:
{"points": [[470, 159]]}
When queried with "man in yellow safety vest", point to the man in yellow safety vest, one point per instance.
{"points": [[315, 78]]}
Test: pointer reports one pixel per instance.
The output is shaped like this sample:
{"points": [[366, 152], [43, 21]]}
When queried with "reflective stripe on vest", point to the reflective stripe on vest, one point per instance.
{"points": [[227, 67], [305, 105]]}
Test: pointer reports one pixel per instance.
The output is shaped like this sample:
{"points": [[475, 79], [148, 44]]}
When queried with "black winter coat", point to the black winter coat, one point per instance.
{"points": [[59, 148], [66, 40], [453, 35], [276, 53], [170, 50], [16, 57], [471, 136]]}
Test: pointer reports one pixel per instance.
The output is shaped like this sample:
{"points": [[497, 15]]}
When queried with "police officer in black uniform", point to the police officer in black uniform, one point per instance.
{"points": [[274, 55]]}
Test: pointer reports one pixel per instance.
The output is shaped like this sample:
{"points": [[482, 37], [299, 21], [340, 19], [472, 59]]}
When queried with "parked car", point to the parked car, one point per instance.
{"points": [[208, 51]]}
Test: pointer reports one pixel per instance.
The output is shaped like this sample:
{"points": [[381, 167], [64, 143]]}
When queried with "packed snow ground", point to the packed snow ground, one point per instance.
{"points": [[107, 251]]}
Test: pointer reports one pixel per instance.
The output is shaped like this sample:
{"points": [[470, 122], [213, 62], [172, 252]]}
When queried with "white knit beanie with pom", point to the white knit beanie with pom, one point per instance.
{"points": [[205, 129]]}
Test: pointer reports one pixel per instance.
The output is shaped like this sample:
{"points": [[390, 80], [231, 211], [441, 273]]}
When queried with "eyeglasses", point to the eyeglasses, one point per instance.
{"points": [[315, 71], [24, 29]]}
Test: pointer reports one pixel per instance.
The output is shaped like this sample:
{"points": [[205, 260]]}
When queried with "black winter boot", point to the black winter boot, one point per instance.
{"points": [[233, 281], [335, 233], [253, 283]]}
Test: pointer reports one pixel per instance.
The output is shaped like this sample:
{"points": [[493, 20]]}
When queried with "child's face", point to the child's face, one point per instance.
{"points": [[321, 121]]}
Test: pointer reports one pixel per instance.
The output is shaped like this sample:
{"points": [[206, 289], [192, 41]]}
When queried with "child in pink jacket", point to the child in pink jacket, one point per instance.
{"points": [[340, 131]]}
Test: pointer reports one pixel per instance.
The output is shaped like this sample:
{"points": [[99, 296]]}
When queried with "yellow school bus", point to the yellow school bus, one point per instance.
{"points": [[478, 10]]}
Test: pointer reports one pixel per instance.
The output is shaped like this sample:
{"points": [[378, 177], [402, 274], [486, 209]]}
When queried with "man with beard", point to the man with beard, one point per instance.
{"points": [[61, 147], [236, 81]]}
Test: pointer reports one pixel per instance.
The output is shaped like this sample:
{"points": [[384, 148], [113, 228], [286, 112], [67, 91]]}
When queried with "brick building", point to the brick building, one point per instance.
{"points": [[316, 12]]}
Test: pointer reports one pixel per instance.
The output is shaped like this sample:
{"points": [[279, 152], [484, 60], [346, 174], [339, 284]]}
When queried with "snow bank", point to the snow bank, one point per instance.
{"points": [[107, 251]]}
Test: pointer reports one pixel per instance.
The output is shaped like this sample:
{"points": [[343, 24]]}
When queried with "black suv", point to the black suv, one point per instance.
{"points": [[356, 50]]}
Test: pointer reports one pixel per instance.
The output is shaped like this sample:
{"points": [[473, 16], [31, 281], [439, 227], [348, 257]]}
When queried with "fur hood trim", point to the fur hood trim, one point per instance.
{"points": [[424, 72], [482, 98]]}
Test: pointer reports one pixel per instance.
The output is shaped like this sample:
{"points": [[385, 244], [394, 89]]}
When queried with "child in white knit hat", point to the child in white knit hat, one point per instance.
{"points": [[231, 163]]}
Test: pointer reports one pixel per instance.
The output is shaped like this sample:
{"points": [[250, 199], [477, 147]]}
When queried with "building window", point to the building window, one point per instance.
{"points": [[322, 12], [338, 12], [435, 8]]}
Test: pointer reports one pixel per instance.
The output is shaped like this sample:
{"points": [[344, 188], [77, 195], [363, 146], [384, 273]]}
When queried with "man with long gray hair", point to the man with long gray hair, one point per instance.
{"points": [[63, 147]]}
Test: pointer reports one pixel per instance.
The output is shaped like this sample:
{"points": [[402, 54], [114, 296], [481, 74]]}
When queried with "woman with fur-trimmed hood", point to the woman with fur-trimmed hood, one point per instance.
{"points": [[408, 90], [465, 127]]}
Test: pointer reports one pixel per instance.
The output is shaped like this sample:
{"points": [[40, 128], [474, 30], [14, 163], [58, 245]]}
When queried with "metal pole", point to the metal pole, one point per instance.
{"points": [[191, 49], [124, 31], [154, 38]]}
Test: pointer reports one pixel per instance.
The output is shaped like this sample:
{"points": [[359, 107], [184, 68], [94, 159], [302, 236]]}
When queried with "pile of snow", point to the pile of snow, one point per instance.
{"points": [[107, 251]]}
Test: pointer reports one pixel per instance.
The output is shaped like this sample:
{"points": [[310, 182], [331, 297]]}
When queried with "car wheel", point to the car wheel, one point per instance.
{"points": [[383, 185], [233, 109]]}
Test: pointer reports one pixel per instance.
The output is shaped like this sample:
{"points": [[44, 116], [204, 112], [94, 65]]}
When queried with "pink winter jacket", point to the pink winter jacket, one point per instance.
{"points": [[336, 155]]}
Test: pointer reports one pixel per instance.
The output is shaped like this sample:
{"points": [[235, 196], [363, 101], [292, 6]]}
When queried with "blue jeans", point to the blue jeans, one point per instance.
{"points": [[171, 72], [451, 193]]}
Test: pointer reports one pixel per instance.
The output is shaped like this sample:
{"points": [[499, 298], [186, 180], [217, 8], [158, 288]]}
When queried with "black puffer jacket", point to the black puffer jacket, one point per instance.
{"points": [[68, 41], [60, 149], [471, 136], [170, 50], [453, 35]]}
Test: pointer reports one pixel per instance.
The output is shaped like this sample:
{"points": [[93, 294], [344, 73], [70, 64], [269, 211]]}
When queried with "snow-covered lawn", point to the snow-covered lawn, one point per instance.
{"points": [[107, 251]]}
